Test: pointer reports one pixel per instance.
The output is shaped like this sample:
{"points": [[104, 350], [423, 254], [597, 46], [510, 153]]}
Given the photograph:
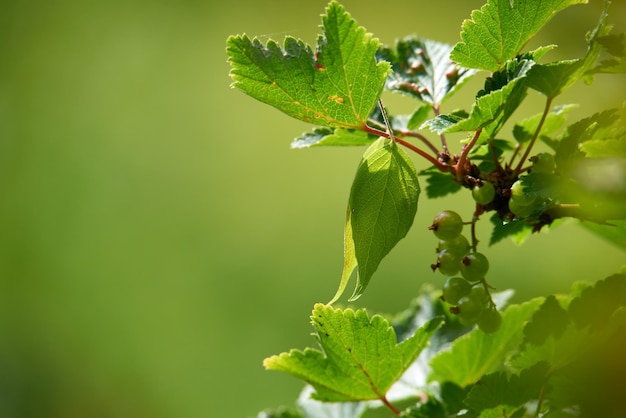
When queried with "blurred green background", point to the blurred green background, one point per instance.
{"points": [[158, 236]]}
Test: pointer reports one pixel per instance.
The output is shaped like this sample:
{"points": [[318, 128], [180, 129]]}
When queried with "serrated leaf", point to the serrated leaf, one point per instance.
{"points": [[500, 29], [338, 86], [499, 389], [382, 206], [423, 70], [503, 93], [587, 129], [616, 46], [518, 230], [326, 136], [360, 357], [549, 320], [596, 304], [604, 148], [439, 184], [477, 353], [554, 78]]}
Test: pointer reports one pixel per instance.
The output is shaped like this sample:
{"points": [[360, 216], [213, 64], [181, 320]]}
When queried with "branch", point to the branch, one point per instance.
{"points": [[460, 165]]}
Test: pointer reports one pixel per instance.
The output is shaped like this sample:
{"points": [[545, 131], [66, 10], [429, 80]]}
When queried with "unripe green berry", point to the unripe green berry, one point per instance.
{"points": [[459, 245], [448, 263], [520, 197], [484, 193], [447, 225], [455, 288], [469, 310], [474, 266], [520, 211]]}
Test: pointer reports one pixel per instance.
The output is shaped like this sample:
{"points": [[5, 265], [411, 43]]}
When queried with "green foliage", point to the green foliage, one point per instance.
{"points": [[531, 359], [477, 353], [361, 358], [422, 69], [382, 205], [326, 87], [499, 30]]}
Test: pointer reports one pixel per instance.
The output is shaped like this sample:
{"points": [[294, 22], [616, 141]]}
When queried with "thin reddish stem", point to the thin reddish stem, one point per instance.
{"points": [[460, 165], [442, 167], [391, 407]]}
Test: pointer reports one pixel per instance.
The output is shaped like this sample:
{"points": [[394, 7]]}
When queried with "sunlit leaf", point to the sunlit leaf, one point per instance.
{"points": [[382, 206], [499, 30], [337, 86], [360, 357], [554, 78], [477, 353]]}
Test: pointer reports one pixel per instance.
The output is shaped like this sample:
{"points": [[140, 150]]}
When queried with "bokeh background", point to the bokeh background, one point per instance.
{"points": [[158, 238]]}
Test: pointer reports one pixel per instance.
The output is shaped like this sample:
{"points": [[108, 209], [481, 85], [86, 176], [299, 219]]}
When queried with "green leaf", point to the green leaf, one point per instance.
{"points": [[503, 93], [616, 46], [349, 257], [360, 357], [500, 29], [325, 136], [476, 354], [523, 130], [591, 128], [554, 78], [596, 304], [549, 320], [518, 230], [430, 409], [423, 70], [338, 86], [439, 184], [499, 389], [382, 206]]}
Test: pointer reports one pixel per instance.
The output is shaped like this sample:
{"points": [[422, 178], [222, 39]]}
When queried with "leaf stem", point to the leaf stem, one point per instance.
{"points": [[441, 166], [546, 110], [421, 138], [460, 165], [391, 407]]}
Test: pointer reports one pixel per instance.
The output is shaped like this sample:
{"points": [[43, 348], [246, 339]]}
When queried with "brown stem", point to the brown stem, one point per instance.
{"points": [[421, 138], [402, 132], [391, 407], [441, 166], [460, 165]]}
